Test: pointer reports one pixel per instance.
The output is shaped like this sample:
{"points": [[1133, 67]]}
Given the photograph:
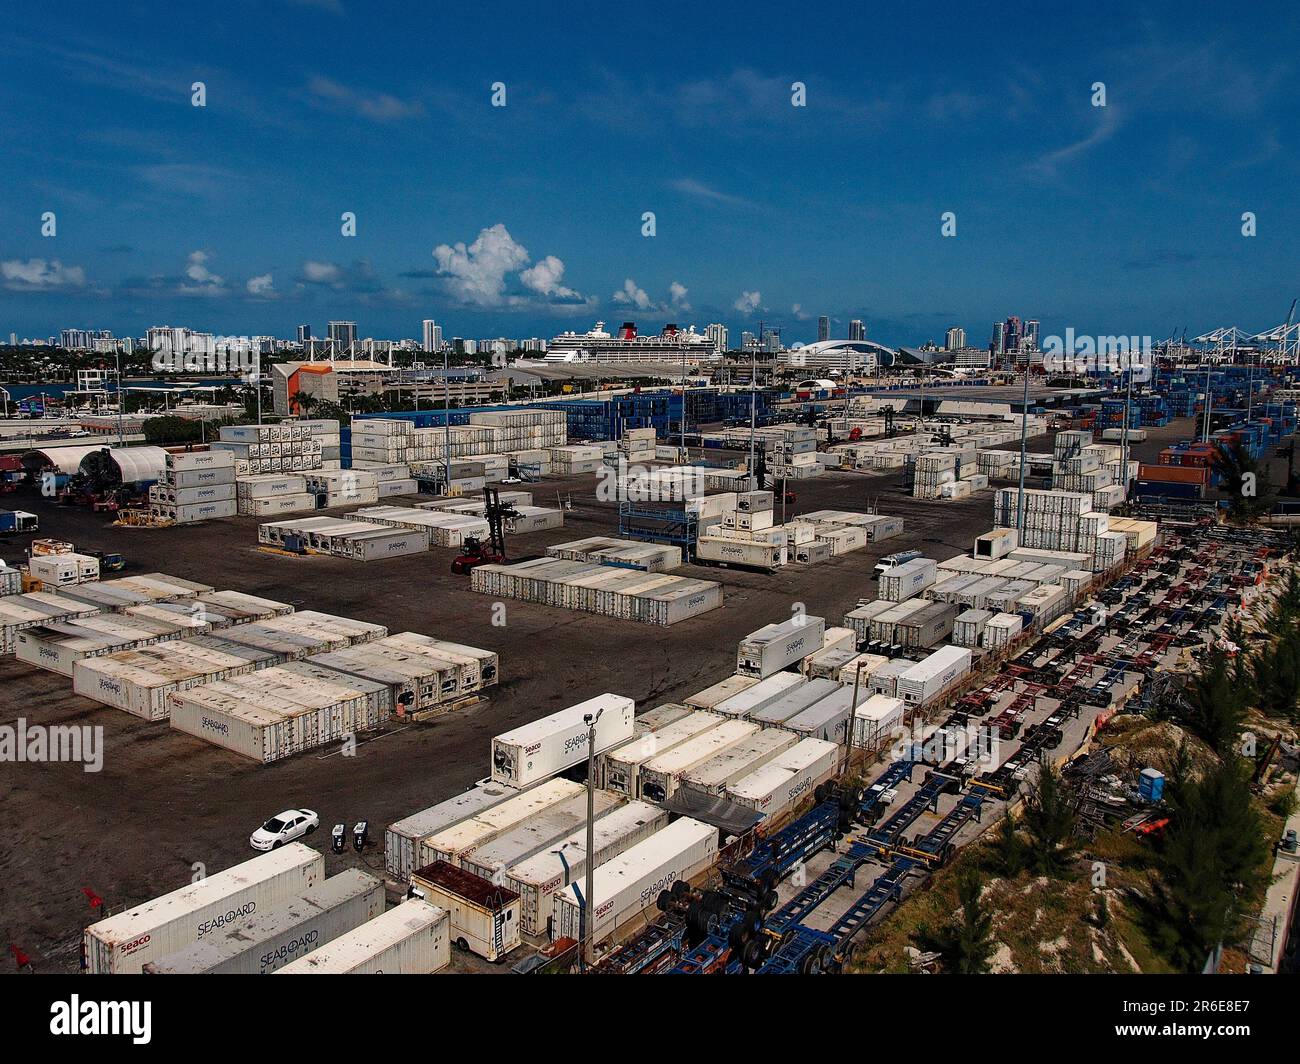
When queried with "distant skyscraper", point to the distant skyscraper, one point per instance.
{"points": [[956, 338], [432, 337], [343, 334], [857, 331], [1012, 335], [718, 334], [997, 343], [823, 328], [304, 333], [1031, 334]]}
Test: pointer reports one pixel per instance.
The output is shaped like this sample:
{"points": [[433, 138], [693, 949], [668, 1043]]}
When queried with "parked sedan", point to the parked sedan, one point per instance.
{"points": [[284, 827]]}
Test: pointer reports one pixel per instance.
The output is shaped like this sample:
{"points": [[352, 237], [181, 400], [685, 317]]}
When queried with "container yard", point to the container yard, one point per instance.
{"points": [[272, 683]]}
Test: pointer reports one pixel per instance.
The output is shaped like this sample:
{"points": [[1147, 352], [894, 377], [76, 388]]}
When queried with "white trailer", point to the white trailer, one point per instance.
{"points": [[552, 744], [659, 777], [412, 939], [630, 883], [777, 646], [282, 933], [125, 942], [402, 839]]}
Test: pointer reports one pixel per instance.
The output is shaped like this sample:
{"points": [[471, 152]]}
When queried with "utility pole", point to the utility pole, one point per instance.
{"points": [[587, 911], [753, 408], [117, 355], [446, 420], [853, 712], [1024, 437]]}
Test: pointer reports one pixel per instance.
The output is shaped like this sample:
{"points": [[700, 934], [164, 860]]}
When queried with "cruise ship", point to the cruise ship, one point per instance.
{"points": [[672, 345]]}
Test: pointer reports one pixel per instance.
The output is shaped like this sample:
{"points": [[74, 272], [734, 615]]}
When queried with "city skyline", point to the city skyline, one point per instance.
{"points": [[527, 219]]}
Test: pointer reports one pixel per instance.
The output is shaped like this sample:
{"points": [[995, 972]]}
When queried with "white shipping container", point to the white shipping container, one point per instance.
{"points": [[412, 939], [125, 942], [788, 779], [539, 877], [552, 744], [777, 646], [718, 773], [759, 695], [630, 883], [402, 839], [659, 777], [282, 933], [620, 767]]}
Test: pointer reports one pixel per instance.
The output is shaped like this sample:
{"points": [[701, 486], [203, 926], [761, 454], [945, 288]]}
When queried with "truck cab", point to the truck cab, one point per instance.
{"points": [[892, 561]]}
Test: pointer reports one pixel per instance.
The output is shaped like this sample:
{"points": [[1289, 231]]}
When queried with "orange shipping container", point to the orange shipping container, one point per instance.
{"points": [[1170, 474]]}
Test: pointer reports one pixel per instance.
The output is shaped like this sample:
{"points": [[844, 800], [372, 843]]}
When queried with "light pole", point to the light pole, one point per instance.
{"points": [[117, 355], [587, 912], [853, 712], [1024, 436], [446, 420]]}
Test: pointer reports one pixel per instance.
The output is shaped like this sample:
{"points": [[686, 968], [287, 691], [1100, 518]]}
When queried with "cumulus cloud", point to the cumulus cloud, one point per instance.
{"points": [[480, 274], [198, 279], [38, 274], [321, 272], [632, 295], [800, 314], [677, 294], [748, 302], [545, 279], [261, 285]]}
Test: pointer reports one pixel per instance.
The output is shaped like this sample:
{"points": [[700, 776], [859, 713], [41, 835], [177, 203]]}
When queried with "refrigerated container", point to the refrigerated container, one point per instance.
{"points": [[630, 883], [718, 773], [123, 943], [402, 839], [659, 777], [760, 695], [492, 822], [788, 779], [794, 701], [557, 742], [491, 858], [620, 767], [933, 675], [412, 939], [723, 689], [777, 646], [282, 933], [539, 877]]}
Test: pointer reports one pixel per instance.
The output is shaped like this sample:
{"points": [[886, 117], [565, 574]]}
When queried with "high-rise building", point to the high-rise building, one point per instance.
{"points": [[997, 342], [432, 337], [1012, 335], [343, 334], [823, 328], [304, 333], [955, 339], [857, 331], [717, 333], [1031, 335]]}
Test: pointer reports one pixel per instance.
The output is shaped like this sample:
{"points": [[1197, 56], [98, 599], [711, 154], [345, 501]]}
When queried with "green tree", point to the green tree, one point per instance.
{"points": [[1007, 848], [1213, 706], [168, 429], [1277, 677], [965, 943], [1049, 820], [1244, 483], [1214, 852]]}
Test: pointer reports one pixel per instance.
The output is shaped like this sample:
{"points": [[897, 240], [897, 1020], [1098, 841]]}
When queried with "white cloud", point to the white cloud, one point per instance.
{"points": [[29, 274], [196, 269], [545, 279], [698, 190], [631, 295], [748, 302], [477, 274], [262, 285], [321, 272], [677, 293], [800, 314], [376, 106]]}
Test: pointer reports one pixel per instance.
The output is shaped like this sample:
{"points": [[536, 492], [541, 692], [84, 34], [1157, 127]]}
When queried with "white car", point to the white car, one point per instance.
{"points": [[284, 827]]}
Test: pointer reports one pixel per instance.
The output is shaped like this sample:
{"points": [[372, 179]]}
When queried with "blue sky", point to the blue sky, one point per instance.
{"points": [[526, 219]]}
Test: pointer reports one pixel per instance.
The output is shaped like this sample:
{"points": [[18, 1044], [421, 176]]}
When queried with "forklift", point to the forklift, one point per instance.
{"points": [[475, 551], [782, 493]]}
